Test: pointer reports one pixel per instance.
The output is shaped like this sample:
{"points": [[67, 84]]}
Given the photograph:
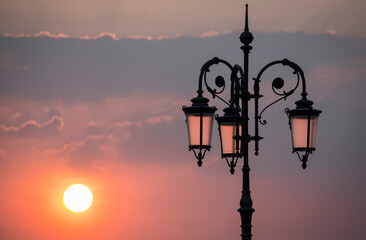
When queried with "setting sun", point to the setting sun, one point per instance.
{"points": [[78, 198]]}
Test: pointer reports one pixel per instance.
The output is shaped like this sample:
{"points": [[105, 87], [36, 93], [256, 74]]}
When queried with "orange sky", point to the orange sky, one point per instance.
{"points": [[87, 101]]}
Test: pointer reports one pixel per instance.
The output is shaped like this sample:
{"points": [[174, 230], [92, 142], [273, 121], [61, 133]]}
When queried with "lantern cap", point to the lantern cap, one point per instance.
{"points": [[304, 103], [199, 105], [200, 101], [230, 115], [303, 107]]}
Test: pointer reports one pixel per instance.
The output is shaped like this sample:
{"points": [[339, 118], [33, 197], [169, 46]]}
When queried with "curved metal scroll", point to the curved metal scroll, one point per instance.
{"points": [[220, 83], [277, 83], [219, 80]]}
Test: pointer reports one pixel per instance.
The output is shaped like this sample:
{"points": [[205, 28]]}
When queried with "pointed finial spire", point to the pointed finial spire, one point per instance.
{"points": [[246, 37], [246, 18]]}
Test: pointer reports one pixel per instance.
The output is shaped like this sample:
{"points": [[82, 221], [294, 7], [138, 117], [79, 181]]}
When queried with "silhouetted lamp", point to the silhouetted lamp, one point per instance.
{"points": [[199, 119], [230, 131], [234, 124], [303, 124]]}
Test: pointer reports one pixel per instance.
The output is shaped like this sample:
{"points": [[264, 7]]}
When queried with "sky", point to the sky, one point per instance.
{"points": [[170, 18], [91, 92]]}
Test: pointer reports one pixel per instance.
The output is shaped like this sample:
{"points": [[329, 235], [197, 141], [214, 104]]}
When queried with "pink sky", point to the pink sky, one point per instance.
{"points": [[86, 97], [172, 17]]}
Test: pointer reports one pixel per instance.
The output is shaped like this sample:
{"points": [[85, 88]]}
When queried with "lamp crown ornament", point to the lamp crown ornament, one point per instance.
{"points": [[246, 37]]}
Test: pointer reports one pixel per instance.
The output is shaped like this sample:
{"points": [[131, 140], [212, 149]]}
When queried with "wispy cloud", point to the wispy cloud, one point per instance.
{"points": [[113, 36], [339, 80], [214, 34], [75, 145], [93, 151], [94, 123], [140, 37], [34, 123], [101, 35], [48, 34], [139, 124], [210, 34], [19, 35], [339, 75], [128, 123], [160, 119], [15, 115], [83, 37], [61, 35], [331, 32]]}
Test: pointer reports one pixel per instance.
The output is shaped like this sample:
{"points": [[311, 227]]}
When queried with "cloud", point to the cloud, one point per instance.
{"points": [[93, 132], [160, 119], [141, 129], [128, 123], [32, 122], [210, 34], [50, 35], [149, 37], [106, 34], [9, 62], [338, 75], [214, 34], [331, 32], [94, 123], [140, 37], [62, 35], [75, 145], [91, 152], [85, 37], [138, 124], [20, 35], [341, 80], [15, 115], [114, 36]]}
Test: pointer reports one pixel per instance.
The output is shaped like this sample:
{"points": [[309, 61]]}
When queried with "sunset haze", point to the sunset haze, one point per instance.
{"points": [[91, 92]]}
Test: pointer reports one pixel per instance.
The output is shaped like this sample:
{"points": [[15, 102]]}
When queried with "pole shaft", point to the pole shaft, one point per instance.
{"points": [[246, 210]]}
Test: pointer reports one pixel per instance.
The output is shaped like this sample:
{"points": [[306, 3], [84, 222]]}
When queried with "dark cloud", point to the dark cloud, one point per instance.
{"points": [[143, 129], [89, 69]]}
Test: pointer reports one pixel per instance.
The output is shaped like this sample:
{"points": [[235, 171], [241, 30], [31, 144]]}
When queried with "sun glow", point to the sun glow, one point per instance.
{"points": [[78, 198]]}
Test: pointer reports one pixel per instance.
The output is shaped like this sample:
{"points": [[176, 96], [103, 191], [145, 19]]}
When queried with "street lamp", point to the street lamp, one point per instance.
{"points": [[199, 118], [233, 125], [303, 124]]}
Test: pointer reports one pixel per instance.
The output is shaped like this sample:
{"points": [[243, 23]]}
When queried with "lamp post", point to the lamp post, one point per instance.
{"points": [[233, 125]]}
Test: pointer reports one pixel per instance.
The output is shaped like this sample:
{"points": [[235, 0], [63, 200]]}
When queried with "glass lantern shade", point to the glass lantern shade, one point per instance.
{"points": [[228, 143], [199, 126], [199, 119], [303, 132], [303, 125], [228, 125]]}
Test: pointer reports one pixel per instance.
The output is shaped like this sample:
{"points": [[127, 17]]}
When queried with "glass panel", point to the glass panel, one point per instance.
{"points": [[193, 125], [228, 131], [299, 131]]}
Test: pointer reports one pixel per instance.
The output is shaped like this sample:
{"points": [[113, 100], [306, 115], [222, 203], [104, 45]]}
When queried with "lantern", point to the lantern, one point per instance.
{"points": [[199, 119], [303, 124], [230, 132]]}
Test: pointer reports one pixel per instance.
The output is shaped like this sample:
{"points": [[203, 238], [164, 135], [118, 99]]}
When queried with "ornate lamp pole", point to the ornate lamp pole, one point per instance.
{"points": [[233, 125]]}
